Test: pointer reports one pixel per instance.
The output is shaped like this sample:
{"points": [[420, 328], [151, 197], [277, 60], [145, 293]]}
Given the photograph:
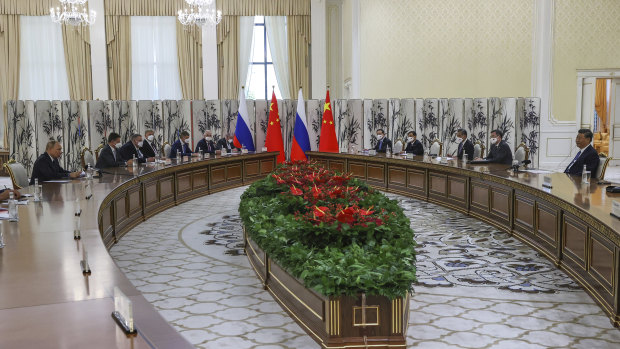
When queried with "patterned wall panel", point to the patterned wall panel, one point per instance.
{"points": [[528, 130], [314, 108], [375, 117], [405, 121], [21, 132], [48, 125], [177, 116], [125, 121], [100, 123], [340, 112], [502, 113], [451, 112], [230, 108], [76, 132], [288, 113], [393, 116], [261, 112], [352, 130], [428, 122], [476, 120]]}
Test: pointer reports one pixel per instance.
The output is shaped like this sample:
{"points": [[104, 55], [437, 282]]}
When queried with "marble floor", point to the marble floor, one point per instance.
{"points": [[478, 287]]}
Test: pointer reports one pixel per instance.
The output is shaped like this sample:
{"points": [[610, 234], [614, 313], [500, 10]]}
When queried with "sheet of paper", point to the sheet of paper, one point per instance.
{"points": [[58, 181], [537, 171]]}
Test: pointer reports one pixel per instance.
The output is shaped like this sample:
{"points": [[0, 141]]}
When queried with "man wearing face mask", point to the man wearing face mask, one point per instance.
{"points": [[383, 142], [500, 150], [413, 145], [206, 144], [226, 143], [132, 148], [148, 147], [465, 145], [110, 155], [181, 145]]}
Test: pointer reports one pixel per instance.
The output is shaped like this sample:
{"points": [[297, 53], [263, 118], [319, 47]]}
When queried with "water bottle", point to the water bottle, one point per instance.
{"points": [[37, 190], [388, 152], [134, 162], [201, 153], [179, 157], [13, 215], [585, 175], [89, 172]]}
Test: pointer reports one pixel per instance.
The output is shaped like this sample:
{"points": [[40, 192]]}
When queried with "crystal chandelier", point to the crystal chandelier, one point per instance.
{"points": [[201, 12], [71, 13]]}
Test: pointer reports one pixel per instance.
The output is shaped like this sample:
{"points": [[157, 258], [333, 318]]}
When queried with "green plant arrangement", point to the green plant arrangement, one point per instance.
{"points": [[333, 232]]}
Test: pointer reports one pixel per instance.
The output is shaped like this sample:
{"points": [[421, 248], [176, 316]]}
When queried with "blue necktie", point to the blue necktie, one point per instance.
{"points": [[380, 144], [572, 162]]}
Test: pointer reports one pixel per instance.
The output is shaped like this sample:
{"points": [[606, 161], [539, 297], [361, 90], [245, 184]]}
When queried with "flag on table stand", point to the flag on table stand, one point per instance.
{"points": [[243, 135], [301, 140], [274, 141], [328, 141]]}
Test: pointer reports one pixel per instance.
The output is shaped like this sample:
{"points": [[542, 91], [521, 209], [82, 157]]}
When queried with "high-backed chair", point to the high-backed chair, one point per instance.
{"points": [[603, 161], [478, 150], [88, 158], [18, 174], [398, 147], [522, 153], [165, 149], [97, 151], [436, 148]]}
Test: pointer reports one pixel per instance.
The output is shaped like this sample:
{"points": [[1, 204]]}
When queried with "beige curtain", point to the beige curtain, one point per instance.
{"points": [[143, 7], [264, 7], [118, 38], [600, 103], [27, 7], [189, 49], [298, 32], [228, 57], [76, 42], [9, 66]]}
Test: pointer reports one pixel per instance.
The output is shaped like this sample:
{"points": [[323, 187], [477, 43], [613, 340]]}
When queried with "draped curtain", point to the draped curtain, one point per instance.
{"points": [[9, 67], [154, 59], [43, 71], [277, 35], [76, 42], [189, 49], [246, 32], [600, 102], [298, 33], [118, 42]]}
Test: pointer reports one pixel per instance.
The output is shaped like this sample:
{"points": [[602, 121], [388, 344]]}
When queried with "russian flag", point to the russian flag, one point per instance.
{"points": [[301, 140], [243, 135]]}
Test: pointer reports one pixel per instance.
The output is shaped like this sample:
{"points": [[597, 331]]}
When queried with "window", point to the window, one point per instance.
{"points": [[42, 67], [261, 72], [154, 60]]}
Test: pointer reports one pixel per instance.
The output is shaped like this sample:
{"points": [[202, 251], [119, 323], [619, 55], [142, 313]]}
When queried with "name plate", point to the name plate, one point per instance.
{"points": [[409, 156], [244, 151], [372, 152], [123, 312], [547, 182], [615, 208]]}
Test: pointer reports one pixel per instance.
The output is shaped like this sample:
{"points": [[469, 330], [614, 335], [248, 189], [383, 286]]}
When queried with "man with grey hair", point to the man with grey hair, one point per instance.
{"points": [[148, 149], [206, 143], [132, 148], [226, 144], [47, 167]]}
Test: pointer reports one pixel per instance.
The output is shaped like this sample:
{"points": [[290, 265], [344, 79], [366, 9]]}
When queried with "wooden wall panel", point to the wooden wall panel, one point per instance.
{"points": [[357, 169], [266, 166]]}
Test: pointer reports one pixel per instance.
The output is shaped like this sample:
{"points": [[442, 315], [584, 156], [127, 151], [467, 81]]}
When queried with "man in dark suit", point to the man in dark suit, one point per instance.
{"points": [[109, 155], [132, 148], [226, 143], [500, 150], [47, 167], [413, 145], [465, 145], [148, 147], [586, 156], [181, 145], [383, 142], [206, 144]]}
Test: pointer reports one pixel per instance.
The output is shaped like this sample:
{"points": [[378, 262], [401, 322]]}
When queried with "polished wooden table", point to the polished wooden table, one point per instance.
{"points": [[46, 301], [569, 224]]}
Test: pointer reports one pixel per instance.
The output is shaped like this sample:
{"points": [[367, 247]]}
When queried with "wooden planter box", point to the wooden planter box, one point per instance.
{"points": [[333, 322]]}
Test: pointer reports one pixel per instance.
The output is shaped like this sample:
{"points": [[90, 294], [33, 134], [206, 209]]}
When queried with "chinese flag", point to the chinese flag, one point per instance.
{"points": [[273, 141], [328, 141]]}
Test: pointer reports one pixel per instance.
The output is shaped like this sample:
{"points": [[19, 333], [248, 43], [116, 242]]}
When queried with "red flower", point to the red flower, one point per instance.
{"points": [[296, 191], [320, 211], [346, 215]]}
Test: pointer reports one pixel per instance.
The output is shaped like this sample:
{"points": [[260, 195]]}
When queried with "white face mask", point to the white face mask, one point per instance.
{"points": [[140, 144], [117, 145], [379, 137], [208, 138], [459, 140], [150, 138], [493, 140], [186, 140], [230, 140], [409, 139]]}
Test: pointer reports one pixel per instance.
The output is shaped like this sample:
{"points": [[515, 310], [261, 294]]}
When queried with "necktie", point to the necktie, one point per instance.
{"points": [[140, 156], [114, 153], [572, 162], [460, 147], [380, 144]]}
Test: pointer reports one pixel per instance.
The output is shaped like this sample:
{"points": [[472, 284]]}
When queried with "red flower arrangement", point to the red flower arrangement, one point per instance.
{"points": [[328, 197]]}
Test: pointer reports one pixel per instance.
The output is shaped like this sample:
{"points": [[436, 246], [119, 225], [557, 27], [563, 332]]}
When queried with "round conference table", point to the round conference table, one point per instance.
{"points": [[48, 302]]}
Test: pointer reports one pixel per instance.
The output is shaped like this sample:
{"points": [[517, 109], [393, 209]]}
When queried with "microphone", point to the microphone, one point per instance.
{"points": [[515, 165], [526, 162]]}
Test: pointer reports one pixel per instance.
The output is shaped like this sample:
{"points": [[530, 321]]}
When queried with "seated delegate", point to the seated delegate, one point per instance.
{"points": [[47, 167]]}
